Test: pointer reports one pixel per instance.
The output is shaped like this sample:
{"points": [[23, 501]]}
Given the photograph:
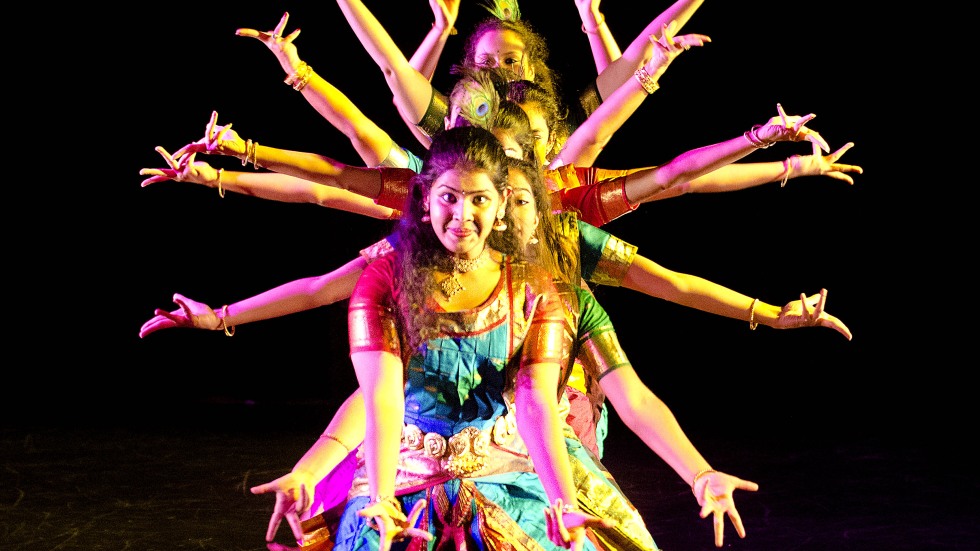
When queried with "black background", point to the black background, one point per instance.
{"points": [[110, 252], [91, 254]]}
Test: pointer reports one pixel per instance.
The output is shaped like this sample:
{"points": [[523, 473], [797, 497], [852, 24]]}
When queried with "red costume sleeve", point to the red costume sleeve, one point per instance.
{"points": [[371, 312]]}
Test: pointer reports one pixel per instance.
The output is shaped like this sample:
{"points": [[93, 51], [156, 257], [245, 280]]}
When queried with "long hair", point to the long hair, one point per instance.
{"points": [[557, 250], [527, 93], [464, 149]]}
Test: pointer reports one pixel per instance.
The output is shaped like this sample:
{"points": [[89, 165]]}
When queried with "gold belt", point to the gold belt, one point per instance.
{"points": [[462, 454]]}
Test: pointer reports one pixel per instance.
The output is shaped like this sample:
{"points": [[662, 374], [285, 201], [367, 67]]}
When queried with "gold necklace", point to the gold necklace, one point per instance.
{"points": [[451, 285]]}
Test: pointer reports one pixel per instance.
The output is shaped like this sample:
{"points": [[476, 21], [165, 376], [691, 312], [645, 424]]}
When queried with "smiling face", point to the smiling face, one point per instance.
{"points": [[463, 207]]}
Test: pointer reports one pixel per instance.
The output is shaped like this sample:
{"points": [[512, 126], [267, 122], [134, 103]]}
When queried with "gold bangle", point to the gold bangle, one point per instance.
{"points": [[229, 331], [752, 323], [599, 23], [332, 436], [646, 81], [248, 146], [297, 74], [701, 473], [255, 147], [787, 169], [221, 191], [753, 137], [304, 80]]}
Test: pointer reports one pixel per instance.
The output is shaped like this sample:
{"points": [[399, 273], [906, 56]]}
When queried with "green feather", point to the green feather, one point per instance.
{"points": [[507, 10]]}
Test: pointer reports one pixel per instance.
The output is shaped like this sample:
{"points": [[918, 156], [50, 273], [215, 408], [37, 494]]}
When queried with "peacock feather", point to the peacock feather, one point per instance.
{"points": [[507, 10], [477, 97]]}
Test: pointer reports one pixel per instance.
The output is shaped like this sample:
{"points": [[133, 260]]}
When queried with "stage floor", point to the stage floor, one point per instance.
{"points": [[181, 482]]}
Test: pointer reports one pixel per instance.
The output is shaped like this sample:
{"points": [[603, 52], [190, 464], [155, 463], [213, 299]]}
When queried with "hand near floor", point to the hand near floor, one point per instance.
{"points": [[571, 535], [292, 499], [715, 492], [387, 517]]}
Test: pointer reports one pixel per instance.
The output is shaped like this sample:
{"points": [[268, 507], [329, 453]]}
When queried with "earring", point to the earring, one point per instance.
{"points": [[533, 240], [425, 217], [500, 225]]}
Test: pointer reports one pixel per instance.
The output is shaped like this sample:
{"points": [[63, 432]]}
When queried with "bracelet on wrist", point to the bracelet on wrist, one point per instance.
{"points": [[787, 169], [752, 325], [229, 330], [646, 81], [599, 22], [221, 191], [701, 473], [299, 78], [752, 135], [332, 436]]}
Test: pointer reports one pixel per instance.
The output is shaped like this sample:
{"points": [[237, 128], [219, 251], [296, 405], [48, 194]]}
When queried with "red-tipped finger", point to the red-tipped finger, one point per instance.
{"points": [[282, 24]]}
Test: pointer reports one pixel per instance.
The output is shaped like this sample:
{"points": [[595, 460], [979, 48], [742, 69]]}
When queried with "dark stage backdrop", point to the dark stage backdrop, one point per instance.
{"points": [[119, 250]]}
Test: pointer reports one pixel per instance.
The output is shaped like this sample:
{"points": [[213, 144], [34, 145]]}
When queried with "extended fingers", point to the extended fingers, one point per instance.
{"points": [[274, 521], [282, 24], [782, 114], [815, 137], [719, 522], [736, 521], [416, 512], [213, 122], [821, 303], [688, 40], [156, 175], [843, 149], [295, 525], [836, 324], [167, 156]]}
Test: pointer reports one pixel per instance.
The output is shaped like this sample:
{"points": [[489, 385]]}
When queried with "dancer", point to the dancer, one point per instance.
{"points": [[609, 370], [436, 355]]}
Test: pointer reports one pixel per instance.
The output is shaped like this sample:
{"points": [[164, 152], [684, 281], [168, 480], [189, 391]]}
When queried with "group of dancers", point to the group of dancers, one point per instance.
{"points": [[483, 360]]}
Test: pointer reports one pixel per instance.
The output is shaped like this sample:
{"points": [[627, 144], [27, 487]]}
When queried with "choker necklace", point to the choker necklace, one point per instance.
{"points": [[451, 285]]}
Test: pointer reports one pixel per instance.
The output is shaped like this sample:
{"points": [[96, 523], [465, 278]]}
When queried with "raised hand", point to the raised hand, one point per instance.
{"points": [[668, 47], [809, 312], [292, 499], [191, 314], [823, 165], [281, 46], [715, 492], [567, 527], [445, 13], [217, 140], [786, 128], [183, 170]]}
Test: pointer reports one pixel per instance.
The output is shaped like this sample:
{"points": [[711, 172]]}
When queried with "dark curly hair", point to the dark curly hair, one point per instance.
{"points": [[465, 149]]}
